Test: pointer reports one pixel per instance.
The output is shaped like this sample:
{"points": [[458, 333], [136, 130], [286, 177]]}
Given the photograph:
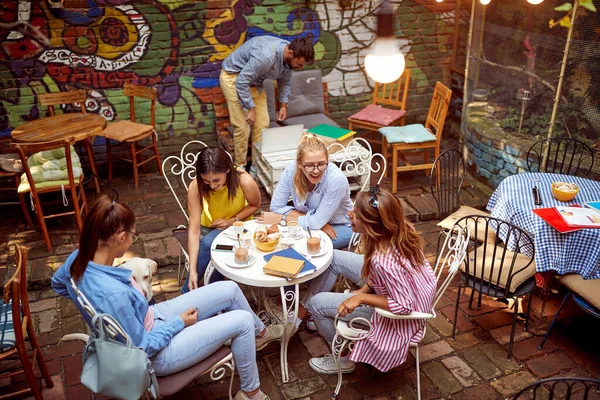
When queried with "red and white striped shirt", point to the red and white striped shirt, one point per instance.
{"points": [[407, 289]]}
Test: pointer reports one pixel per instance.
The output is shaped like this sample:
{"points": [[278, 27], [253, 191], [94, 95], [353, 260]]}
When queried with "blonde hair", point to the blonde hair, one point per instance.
{"points": [[309, 143]]}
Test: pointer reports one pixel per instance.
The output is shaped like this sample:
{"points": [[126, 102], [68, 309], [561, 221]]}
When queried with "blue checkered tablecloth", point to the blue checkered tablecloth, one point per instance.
{"points": [[574, 252]]}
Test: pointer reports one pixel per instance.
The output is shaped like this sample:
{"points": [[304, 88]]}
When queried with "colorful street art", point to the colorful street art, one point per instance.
{"points": [[175, 46]]}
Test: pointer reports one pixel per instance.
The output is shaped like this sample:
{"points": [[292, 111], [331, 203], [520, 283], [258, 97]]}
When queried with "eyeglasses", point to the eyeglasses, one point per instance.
{"points": [[135, 236], [373, 201], [311, 167]]}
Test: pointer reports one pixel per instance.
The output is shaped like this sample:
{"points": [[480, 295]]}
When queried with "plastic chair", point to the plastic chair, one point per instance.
{"points": [[565, 156], [16, 325], [215, 365], [347, 333], [74, 185], [494, 270], [179, 172], [132, 132], [560, 387]]}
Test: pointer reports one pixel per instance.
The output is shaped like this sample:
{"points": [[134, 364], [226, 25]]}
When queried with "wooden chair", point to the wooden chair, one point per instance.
{"points": [[179, 172], [74, 185], [447, 264], [15, 179], [388, 108], [565, 156], [16, 325], [132, 132], [492, 269], [75, 97], [417, 139]]}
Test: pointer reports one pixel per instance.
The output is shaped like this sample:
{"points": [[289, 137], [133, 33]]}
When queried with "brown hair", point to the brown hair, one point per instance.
{"points": [[215, 160], [387, 231], [104, 219], [303, 47], [309, 142]]}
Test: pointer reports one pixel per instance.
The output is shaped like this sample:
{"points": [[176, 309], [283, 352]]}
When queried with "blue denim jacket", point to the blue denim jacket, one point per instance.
{"points": [[254, 61], [110, 291]]}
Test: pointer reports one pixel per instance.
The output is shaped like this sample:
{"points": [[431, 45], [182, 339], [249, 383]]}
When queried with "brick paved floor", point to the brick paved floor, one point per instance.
{"points": [[474, 366]]}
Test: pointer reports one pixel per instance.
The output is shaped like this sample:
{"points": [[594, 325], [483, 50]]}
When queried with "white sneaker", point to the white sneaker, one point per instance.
{"points": [[241, 396], [310, 323], [274, 332], [326, 365]]}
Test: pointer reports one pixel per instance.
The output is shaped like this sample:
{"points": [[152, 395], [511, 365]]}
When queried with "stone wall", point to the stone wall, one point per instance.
{"points": [[177, 47]]}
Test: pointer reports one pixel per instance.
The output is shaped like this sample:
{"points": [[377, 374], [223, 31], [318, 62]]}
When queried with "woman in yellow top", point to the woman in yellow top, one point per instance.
{"points": [[219, 196]]}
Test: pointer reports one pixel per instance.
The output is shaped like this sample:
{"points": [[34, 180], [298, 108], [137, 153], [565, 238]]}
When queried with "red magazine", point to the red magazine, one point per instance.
{"points": [[553, 218]]}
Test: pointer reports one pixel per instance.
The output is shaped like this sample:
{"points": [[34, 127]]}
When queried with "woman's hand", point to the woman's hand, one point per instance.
{"points": [[328, 229], [269, 218], [193, 281], [348, 306], [222, 223], [189, 317]]}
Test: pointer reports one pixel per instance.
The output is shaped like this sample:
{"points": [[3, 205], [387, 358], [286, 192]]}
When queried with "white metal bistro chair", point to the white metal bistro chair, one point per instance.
{"points": [[348, 333], [179, 172], [215, 365]]}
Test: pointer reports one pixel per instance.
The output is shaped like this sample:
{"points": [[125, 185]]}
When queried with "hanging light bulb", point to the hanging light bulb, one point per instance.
{"points": [[534, 1], [385, 63], [439, 1], [484, 2]]}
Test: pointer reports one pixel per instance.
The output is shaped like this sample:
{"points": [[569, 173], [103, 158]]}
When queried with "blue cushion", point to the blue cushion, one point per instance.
{"points": [[415, 133], [7, 330]]}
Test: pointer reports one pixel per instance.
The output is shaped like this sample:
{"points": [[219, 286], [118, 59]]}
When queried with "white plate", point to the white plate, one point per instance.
{"points": [[231, 263], [300, 235]]}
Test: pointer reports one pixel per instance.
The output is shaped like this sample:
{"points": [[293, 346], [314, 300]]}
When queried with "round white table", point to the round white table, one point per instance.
{"points": [[253, 275]]}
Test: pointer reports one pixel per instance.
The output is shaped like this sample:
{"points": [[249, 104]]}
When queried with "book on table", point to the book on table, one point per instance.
{"points": [[551, 217], [593, 204], [288, 263], [331, 134], [579, 217]]}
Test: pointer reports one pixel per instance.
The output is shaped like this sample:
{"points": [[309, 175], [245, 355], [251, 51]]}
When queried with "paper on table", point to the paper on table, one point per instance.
{"points": [[577, 217]]}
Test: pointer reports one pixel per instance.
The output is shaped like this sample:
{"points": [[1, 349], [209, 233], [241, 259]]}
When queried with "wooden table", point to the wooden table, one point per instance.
{"points": [[82, 127]]}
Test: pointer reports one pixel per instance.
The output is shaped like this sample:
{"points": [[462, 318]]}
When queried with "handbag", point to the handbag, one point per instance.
{"points": [[112, 367]]}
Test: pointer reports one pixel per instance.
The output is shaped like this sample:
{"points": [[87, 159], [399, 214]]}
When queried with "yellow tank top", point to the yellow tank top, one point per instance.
{"points": [[219, 206]]}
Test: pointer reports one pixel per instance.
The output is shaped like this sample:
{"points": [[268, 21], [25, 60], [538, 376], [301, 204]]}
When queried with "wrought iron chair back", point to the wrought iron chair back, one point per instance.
{"points": [[358, 158], [564, 156], [446, 179], [560, 387]]}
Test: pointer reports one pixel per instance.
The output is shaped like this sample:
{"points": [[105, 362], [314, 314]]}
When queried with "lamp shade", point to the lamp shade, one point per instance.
{"points": [[385, 63]]}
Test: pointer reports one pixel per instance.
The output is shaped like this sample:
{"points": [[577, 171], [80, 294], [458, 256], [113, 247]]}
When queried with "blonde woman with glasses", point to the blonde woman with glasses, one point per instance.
{"points": [[320, 194]]}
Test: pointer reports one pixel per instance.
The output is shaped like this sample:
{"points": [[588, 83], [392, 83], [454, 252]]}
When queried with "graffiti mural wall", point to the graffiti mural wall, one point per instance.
{"points": [[178, 46]]}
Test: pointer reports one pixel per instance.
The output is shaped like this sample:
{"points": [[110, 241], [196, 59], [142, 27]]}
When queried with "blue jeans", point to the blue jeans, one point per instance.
{"points": [[344, 233], [323, 304], [197, 342], [208, 236]]}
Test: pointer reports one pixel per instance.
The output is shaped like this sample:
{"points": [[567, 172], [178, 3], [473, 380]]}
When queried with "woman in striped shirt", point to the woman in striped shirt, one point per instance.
{"points": [[397, 278]]}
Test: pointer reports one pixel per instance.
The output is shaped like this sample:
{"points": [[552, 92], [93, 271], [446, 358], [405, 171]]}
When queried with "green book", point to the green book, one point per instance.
{"points": [[332, 132]]}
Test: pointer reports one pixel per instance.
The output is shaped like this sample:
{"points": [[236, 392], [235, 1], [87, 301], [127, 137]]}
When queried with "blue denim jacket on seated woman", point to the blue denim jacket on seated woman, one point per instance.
{"points": [[110, 291]]}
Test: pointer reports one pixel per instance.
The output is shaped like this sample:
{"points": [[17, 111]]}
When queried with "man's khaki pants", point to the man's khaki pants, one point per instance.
{"points": [[237, 116]]}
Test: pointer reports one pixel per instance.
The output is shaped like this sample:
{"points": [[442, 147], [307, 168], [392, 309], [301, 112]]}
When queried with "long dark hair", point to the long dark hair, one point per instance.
{"points": [[215, 160], [387, 229], [104, 219]]}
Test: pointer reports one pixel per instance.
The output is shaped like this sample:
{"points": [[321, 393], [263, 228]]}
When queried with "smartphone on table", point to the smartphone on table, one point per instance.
{"points": [[224, 247]]}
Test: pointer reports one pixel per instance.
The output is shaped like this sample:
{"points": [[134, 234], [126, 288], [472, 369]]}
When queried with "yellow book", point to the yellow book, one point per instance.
{"points": [[283, 266]]}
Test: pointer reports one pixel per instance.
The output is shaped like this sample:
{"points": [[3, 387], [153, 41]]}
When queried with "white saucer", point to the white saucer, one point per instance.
{"points": [[302, 250], [231, 263], [300, 235]]}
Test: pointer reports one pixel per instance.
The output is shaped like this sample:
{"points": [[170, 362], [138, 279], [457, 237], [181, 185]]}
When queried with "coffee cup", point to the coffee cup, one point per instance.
{"points": [[240, 254], [293, 228], [313, 245], [238, 227]]}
